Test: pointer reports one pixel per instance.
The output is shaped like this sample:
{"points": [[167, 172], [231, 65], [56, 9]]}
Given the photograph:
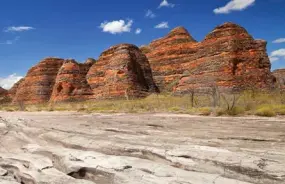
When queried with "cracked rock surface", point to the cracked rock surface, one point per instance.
{"points": [[76, 148]]}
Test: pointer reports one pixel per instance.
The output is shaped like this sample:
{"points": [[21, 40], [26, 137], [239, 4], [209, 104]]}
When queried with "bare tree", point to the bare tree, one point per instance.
{"points": [[231, 100]]}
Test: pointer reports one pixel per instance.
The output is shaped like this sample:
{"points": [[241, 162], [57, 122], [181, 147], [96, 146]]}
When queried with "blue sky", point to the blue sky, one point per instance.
{"points": [[31, 30]]}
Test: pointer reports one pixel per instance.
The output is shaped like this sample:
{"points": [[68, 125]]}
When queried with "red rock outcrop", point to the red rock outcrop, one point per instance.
{"points": [[3, 91], [122, 71], [12, 92], [4, 98], [280, 78], [38, 84], [71, 83], [228, 58], [166, 56]]}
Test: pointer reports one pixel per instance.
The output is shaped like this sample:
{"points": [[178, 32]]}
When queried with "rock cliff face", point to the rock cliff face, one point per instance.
{"points": [[3, 92], [3, 95], [71, 83], [38, 84], [12, 92], [121, 71], [280, 78], [166, 56], [228, 58]]}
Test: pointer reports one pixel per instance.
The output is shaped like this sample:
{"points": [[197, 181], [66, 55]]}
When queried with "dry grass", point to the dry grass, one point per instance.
{"points": [[266, 112], [247, 103]]}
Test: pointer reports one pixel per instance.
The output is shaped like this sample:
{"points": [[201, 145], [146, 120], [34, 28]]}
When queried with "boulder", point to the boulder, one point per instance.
{"points": [[122, 71]]}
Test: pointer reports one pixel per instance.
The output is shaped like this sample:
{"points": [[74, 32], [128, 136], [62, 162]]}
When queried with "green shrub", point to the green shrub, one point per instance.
{"points": [[281, 112], [233, 112], [174, 109], [265, 111], [205, 111], [220, 112], [279, 109], [236, 111]]}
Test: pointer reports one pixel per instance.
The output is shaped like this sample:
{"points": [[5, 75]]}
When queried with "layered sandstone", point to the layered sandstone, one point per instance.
{"points": [[38, 84], [3, 95], [122, 71], [14, 89], [3, 92], [71, 83], [228, 58], [280, 78], [165, 56]]}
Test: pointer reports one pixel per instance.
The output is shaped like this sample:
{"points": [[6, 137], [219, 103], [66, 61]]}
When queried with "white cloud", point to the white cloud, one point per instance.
{"points": [[234, 5], [8, 82], [116, 26], [138, 31], [162, 25], [150, 14], [18, 29], [10, 42], [279, 40], [277, 55], [165, 3], [273, 59]]}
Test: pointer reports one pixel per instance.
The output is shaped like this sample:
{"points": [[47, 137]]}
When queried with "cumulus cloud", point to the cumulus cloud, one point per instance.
{"points": [[279, 40], [10, 42], [277, 55], [18, 29], [234, 5], [117, 26], [165, 3], [9, 81], [150, 14], [138, 31], [162, 25], [273, 59]]}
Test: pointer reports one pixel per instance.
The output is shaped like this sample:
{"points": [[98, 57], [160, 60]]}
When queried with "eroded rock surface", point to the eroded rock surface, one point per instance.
{"points": [[55, 148], [3, 92], [228, 58], [122, 71], [14, 89], [71, 83], [280, 77], [38, 84], [4, 97]]}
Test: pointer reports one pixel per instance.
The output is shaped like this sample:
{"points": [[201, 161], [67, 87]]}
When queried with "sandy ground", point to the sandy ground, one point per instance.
{"points": [[66, 147]]}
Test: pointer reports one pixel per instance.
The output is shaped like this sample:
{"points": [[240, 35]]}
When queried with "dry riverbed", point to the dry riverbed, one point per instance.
{"points": [[77, 148]]}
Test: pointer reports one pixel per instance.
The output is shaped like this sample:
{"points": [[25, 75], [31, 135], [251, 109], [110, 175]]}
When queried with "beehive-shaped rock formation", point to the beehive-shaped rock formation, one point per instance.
{"points": [[38, 84], [12, 92], [122, 71], [228, 58], [71, 83]]}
